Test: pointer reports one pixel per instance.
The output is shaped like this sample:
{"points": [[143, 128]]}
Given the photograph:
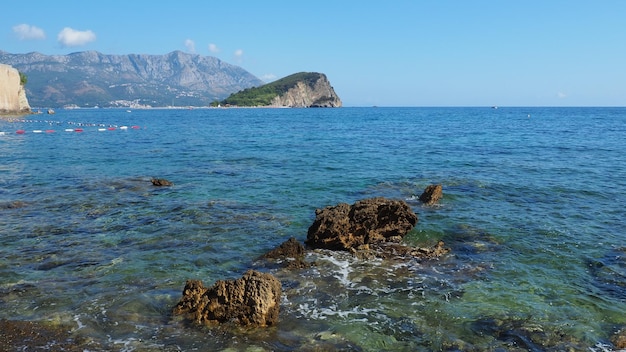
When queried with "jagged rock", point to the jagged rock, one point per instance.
{"points": [[12, 94], [369, 221], [254, 299], [159, 182], [431, 194], [290, 253]]}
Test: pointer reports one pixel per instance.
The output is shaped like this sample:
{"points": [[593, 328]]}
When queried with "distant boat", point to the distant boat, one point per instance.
{"points": [[494, 107], [50, 112]]}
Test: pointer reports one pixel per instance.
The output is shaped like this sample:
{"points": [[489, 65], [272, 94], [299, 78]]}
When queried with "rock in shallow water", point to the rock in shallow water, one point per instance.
{"points": [[251, 300], [431, 194], [160, 182], [290, 253], [369, 221]]}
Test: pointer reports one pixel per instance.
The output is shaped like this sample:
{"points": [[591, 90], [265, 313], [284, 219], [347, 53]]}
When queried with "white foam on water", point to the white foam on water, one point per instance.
{"points": [[602, 347], [79, 324]]}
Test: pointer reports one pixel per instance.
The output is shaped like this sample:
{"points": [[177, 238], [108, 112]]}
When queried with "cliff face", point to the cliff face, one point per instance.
{"points": [[316, 93], [12, 94]]}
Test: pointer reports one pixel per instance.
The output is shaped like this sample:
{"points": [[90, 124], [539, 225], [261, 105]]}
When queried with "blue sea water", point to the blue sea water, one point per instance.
{"points": [[533, 212]]}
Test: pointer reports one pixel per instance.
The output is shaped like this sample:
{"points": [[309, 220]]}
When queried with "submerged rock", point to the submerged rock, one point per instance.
{"points": [[18, 335], [396, 250], [159, 182], [619, 339], [352, 227], [431, 194], [251, 300]]}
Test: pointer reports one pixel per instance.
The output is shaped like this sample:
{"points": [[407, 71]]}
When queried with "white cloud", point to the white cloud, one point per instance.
{"points": [[238, 55], [25, 31], [190, 45], [73, 37], [561, 95], [213, 48], [268, 77]]}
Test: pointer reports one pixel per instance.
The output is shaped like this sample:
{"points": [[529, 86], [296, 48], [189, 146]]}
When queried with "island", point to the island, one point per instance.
{"points": [[303, 90]]}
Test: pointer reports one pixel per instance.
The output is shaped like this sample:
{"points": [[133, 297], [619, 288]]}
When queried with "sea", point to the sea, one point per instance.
{"points": [[533, 212]]}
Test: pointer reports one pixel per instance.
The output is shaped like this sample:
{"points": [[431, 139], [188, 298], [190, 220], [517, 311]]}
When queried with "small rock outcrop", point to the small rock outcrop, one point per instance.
{"points": [[290, 253], [431, 194], [161, 182], [253, 299], [12, 94], [352, 227]]}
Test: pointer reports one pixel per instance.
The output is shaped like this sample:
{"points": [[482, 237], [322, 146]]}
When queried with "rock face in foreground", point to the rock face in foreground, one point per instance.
{"points": [[251, 300], [369, 221], [12, 94]]}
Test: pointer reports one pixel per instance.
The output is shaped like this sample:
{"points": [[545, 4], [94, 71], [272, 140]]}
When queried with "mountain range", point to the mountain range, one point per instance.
{"points": [[90, 79]]}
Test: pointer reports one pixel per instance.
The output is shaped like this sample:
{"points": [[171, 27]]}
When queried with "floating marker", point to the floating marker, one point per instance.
{"points": [[79, 127]]}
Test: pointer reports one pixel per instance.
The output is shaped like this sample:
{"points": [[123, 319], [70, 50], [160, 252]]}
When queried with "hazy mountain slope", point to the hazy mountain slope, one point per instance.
{"points": [[91, 78]]}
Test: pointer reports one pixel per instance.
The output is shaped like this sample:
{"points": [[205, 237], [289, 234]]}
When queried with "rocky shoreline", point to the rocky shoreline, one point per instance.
{"points": [[370, 229]]}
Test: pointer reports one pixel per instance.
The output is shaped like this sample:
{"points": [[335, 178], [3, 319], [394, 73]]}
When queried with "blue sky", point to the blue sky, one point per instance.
{"points": [[385, 53]]}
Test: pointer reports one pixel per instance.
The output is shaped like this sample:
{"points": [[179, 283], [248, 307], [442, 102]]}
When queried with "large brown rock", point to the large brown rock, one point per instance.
{"points": [[254, 299], [368, 221]]}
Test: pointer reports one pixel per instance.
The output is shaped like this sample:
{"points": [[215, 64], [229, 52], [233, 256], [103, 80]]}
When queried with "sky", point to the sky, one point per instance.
{"points": [[382, 53]]}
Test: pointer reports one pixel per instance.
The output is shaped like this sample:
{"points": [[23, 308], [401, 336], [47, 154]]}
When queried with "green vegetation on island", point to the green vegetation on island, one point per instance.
{"points": [[263, 95]]}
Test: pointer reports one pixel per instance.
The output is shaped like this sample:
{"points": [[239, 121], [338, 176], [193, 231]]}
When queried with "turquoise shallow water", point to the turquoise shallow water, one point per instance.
{"points": [[533, 209]]}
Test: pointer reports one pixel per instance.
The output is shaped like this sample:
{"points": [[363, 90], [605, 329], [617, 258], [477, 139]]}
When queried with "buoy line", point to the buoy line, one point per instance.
{"points": [[78, 129], [73, 127]]}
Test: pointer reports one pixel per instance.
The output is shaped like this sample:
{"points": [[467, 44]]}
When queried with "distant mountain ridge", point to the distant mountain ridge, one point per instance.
{"points": [[90, 78], [299, 90]]}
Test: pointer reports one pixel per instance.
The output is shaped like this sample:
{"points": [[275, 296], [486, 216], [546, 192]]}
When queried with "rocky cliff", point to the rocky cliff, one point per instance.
{"points": [[309, 93], [90, 78], [300, 90], [12, 94]]}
